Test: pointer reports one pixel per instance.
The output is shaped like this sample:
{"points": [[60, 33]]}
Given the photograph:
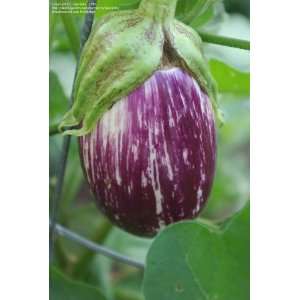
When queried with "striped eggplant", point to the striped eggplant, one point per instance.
{"points": [[150, 160], [144, 114]]}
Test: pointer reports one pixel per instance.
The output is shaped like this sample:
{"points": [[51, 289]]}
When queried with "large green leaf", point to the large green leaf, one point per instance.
{"points": [[230, 80], [63, 288], [195, 261]]}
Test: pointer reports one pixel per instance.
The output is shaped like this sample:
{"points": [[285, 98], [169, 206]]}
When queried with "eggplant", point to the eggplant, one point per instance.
{"points": [[150, 160]]}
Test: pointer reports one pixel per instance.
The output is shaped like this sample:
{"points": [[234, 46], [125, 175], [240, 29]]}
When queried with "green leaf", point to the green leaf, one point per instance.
{"points": [[230, 80], [63, 288], [193, 261]]}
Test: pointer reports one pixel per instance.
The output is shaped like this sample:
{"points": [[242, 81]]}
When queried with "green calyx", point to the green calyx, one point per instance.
{"points": [[124, 49]]}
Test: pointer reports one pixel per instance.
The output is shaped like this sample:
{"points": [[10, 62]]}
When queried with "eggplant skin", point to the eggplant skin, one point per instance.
{"points": [[150, 160]]}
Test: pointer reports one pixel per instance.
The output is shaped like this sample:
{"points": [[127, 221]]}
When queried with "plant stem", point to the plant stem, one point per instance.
{"points": [[72, 236], [88, 21], [224, 41]]}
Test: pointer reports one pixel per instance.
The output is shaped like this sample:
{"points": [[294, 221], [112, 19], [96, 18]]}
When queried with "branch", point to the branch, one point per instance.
{"points": [[224, 41], [86, 29], [72, 236]]}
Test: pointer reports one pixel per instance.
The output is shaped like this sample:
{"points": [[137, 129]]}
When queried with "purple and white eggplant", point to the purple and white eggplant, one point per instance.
{"points": [[150, 160], [143, 111]]}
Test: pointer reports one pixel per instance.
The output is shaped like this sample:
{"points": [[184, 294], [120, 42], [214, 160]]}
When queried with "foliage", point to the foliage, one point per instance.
{"points": [[205, 262], [188, 260]]}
